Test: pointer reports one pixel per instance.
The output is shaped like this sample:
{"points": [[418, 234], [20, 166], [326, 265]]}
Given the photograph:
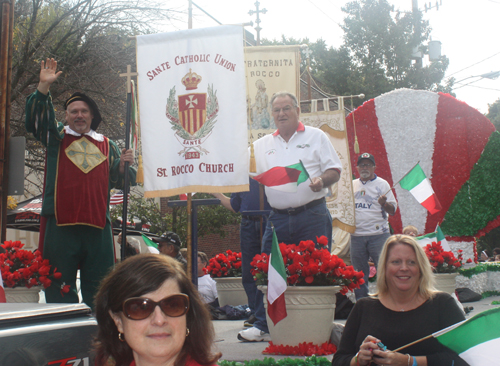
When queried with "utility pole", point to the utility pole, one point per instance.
{"points": [[257, 21], [190, 14], [6, 32], [308, 52], [416, 24]]}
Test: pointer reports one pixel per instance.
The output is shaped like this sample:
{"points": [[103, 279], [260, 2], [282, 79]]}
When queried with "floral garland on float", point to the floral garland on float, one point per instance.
{"points": [[307, 265], [457, 147]]}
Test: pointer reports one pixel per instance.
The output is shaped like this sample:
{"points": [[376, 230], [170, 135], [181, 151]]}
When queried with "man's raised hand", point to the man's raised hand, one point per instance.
{"points": [[48, 75]]}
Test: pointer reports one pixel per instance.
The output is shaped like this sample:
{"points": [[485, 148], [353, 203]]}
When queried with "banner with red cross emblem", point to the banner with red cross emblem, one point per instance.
{"points": [[192, 111], [192, 103]]}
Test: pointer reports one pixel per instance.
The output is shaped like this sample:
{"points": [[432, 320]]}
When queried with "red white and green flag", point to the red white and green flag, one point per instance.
{"points": [[276, 287], [475, 340], [2, 291], [284, 178], [420, 187], [436, 236], [152, 246]]}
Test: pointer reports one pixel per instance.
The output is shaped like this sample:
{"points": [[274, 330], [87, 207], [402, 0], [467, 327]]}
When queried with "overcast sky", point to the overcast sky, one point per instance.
{"points": [[468, 30]]}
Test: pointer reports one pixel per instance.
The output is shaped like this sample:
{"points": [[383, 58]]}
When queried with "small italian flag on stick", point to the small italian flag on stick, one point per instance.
{"points": [[476, 340], [276, 287], [436, 236], [420, 187], [284, 178], [152, 246]]}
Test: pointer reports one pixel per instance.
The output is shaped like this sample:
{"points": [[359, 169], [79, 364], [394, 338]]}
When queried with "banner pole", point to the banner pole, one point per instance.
{"points": [[189, 243], [126, 188]]}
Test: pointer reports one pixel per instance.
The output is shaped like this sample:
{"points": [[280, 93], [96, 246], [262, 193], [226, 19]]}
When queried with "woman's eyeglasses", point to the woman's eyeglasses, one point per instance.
{"points": [[139, 308]]}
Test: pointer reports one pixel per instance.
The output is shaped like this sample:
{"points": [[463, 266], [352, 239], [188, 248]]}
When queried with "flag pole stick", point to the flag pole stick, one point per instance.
{"points": [[303, 166], [128, 74], [189, 242], [394, 185], [125, 177], [412, 343]]}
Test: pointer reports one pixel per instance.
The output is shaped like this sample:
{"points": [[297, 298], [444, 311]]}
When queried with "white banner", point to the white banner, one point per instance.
{"points": [[193, 112]]}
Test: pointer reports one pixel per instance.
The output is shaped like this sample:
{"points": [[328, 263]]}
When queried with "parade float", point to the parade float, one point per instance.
{"points": [[457, 148]]}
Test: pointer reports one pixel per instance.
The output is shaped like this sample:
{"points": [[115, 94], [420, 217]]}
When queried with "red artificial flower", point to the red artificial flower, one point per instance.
{"points": [[226, 264], [309, 265], [443, 261], [322, 240], [23, 268], [303, 349], [64, 289]]}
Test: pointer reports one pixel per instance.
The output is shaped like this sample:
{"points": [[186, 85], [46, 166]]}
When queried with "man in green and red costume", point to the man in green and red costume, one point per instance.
{"points": [[82, 167]]}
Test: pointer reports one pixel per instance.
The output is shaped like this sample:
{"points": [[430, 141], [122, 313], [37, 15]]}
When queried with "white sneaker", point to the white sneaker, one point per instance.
{"points": [[254, 335]]}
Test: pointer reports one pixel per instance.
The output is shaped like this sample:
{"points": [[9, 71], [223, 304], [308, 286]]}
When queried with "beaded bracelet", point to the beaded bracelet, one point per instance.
{"points": [[409, 357]]}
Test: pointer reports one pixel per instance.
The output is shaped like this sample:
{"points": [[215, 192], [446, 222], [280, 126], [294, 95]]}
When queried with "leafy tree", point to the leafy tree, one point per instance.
{"points": [[90, 40], [381, 42], [494, 113], [376, 56]]}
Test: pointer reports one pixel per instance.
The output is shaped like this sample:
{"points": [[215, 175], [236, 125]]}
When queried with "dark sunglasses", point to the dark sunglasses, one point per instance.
{"points": [[139, 308]]}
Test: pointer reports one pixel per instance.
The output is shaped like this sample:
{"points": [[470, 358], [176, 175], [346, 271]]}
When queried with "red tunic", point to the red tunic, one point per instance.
{"points": [[81, 187]]}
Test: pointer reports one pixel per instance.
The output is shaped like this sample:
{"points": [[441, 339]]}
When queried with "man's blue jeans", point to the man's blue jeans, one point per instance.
{"points": [[362, 249], [250, 244], [292, 229]]}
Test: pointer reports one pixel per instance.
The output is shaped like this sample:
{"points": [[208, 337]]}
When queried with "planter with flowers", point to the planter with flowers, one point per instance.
{"points": [[314, 276], [225, 269], [24, 273], [445, 266]]}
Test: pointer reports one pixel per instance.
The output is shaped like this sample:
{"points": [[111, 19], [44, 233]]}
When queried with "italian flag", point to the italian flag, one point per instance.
{"points": [[152, 246], [2, 291], [420, 187], [476, 340], [276, 307], [284, 178], [436, 236]]}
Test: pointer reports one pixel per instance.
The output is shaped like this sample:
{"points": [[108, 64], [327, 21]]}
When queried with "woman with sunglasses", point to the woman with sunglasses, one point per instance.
{"points": [[149, 313]]}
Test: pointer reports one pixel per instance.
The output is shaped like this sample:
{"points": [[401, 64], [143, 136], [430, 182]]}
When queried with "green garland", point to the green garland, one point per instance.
{"points": [[490, 293], [480, 268], [478, 201], [269, 361]]}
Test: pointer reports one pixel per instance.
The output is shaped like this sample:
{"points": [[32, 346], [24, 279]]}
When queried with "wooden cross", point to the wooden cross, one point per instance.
{"points": [[257, 28], [307, 52], [129, 75]]}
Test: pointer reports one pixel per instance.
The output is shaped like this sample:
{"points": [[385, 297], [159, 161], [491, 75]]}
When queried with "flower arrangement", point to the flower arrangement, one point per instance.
{"points": [[307, 265], [441, 261], [226, 264], [23, 268]]}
